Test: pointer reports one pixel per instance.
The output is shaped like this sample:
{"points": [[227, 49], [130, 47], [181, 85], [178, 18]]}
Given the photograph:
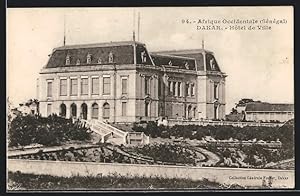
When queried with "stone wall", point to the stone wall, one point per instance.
{"points": [[244, 177]]}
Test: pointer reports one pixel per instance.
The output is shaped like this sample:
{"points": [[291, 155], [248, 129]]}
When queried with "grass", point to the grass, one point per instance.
{"points": [[20, 181]]}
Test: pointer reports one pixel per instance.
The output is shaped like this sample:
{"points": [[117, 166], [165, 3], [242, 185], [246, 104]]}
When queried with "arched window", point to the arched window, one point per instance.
{"points": [[147, 110], [190, 112], [110, 57], [73, 110], [194, 112], [106, 111], [68, 59], [144, 56], [215, 112], [63, 110], [95, 111], [88, 58], [78, 62], [84, 111]]}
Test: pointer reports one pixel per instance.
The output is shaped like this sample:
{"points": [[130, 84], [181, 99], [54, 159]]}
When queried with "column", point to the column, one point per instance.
{"points": [[100, 86], [90, 86], [89, 111], [68, 109], [68, 87], [79, 86], [78, 107], [100, 110], [58, 88], [171, 87]]}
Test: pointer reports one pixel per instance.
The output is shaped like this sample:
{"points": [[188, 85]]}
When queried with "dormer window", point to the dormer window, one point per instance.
{"points": [[99, 60], [68, 59], [78, 62], [170, 63], [110, 57], [212, 63], [144, 56], [89, 58], [187, 66]]}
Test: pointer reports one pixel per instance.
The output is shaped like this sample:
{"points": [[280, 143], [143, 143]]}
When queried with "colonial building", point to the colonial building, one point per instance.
{"points": [[268, 112], [124, 82]]}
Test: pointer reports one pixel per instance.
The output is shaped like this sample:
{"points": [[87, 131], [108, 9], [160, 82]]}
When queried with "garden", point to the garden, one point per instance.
{"points": [[168, 154], [49, 131], [284, 134], [56, 131]]}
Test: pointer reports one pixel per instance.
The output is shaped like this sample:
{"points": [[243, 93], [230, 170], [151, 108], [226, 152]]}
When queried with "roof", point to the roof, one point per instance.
{"points": [[97, 45], [169, 60], [198, 55], [123, 53], [270, 107]]}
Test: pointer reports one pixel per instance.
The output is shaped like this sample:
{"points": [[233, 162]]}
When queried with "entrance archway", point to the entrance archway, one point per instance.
{"points": [[73, 110], [190, 112], [106, 111], [63, 110], [95, 111], [84, 111]]}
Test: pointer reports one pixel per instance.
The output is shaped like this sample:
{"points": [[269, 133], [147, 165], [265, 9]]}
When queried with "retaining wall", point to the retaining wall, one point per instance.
{"points": [[244, 177]]}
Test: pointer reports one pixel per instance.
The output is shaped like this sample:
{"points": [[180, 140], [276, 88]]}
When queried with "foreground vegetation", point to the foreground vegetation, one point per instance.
{"points": [[105, 153], [284, 134], [50, 131], [20, 181]]}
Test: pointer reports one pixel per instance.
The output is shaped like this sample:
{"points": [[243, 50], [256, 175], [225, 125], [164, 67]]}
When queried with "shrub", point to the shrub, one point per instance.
{"points": [[49, 131]]}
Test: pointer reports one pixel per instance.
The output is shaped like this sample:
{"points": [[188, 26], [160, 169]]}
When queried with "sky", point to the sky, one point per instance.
{"points": [[259, 64]]}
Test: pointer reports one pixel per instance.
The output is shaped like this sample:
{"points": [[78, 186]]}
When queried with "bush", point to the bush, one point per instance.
{"points": [[285, 133], [53, 130]]}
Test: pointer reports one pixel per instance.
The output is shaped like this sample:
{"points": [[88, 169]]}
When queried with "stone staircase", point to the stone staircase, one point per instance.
{"points": [[114, 135]]}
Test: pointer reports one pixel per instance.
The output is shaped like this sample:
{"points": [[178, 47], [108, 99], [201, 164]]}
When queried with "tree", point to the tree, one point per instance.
{"points": [[233, 111]]}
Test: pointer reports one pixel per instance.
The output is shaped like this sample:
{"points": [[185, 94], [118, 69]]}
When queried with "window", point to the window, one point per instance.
{"points": [[106, 111], [49, 89], [187, 87], [49, 109], [179, 93], [95, 111], [215, 112], [170, 87], [68, 59], [63, 110], [95, 86], [73, 110], [174, 88], [147, 85], [124, 108], [215, 91], [144, 56], [192, 89], [84, 86], [89, 59], [63, 87], [78, 62], [124, 85], [106, 85], [110, 57], [84, 111], [74, 86], [147, 108], [212, 63]]}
